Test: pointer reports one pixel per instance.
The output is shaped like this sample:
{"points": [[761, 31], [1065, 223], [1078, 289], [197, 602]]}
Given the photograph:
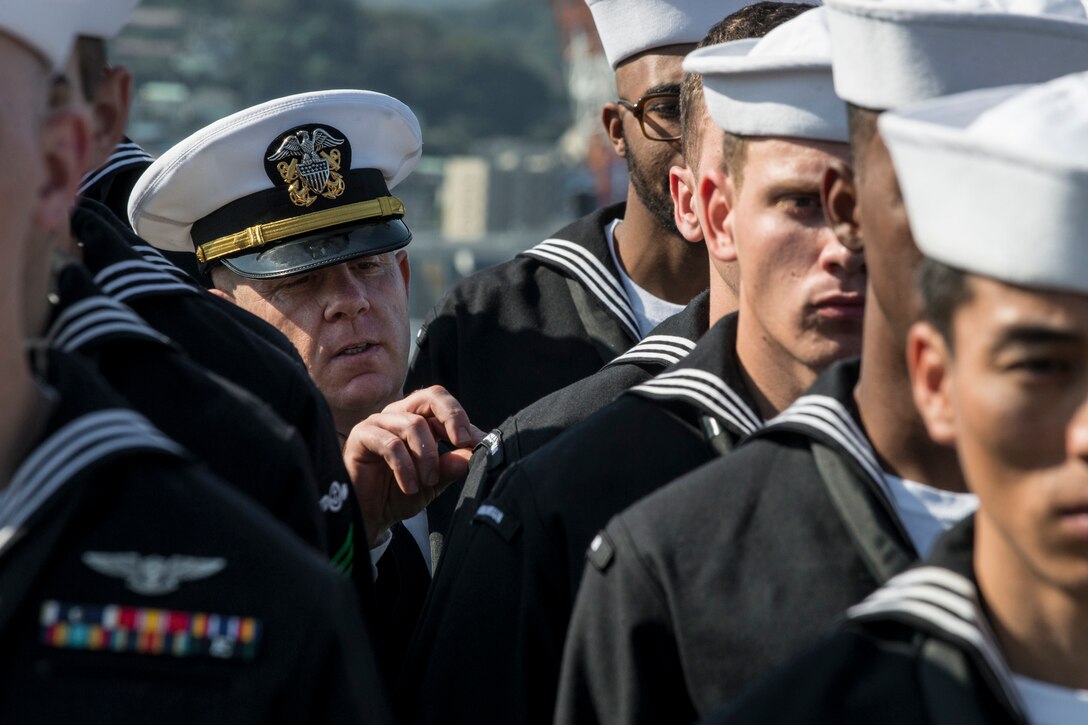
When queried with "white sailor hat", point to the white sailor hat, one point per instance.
{"points": [[995, 180], [104, 18], [629, 27], [45, 26], [778, 85], [293, 184], [890, 52]]}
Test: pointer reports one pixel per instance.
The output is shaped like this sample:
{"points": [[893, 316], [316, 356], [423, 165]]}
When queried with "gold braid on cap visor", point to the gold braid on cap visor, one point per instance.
{"points": [[262, 234]]}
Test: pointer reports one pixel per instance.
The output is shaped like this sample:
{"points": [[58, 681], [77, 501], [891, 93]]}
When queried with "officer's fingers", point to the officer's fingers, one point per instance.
{"points": [[436, 402], [476, 434], [416, 433], [382, 436], [454, 465]]}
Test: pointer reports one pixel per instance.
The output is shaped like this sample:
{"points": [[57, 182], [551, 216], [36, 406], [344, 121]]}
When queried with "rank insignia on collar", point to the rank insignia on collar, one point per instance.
{"points": [[152, 575], [139, 630], [309, 163]]}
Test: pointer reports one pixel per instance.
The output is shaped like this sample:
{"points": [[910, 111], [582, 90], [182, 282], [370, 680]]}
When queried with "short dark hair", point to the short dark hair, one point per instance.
{"points": [[734, 152], [944, 289], [91, 53], [752, 21]]}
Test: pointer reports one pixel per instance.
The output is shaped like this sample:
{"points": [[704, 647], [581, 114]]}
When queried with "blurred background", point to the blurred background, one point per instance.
{"points": [[508, 93]]}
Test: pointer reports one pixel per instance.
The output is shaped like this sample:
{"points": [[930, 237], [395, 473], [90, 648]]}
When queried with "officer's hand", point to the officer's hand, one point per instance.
{"points": [[393, 456]]}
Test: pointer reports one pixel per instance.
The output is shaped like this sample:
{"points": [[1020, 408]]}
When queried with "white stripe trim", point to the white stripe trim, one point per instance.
{"points": [[593, 275], [683, 342], [123, 280], [707, 390], [668, 348], [72, 449], [94, 317], [156, 288], [827, 415], [926, 611], [113, 163], [102, 329], [152, 255], [954, 602], [948, 602], [933, 575]]}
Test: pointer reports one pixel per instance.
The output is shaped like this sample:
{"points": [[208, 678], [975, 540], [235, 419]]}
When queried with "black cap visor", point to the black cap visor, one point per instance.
{"points": [[320, 250]]}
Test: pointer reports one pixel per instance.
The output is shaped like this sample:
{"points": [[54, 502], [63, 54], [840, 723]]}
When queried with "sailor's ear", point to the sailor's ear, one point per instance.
{"points": [[717, 195], [64, 148], [929, 361]]}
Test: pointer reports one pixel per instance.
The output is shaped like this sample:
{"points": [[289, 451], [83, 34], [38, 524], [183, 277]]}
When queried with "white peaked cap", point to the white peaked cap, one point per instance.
{"points": [[227, 171], [779, 85], [995, 181], [104, 18], [887, 53], [45, 26], [629, 27]]}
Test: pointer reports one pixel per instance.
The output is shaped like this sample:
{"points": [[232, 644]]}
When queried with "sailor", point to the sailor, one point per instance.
{"points": [[220, 337], [288, 207], [843, 490], [116, 160], [535, 425], [540, 517], [991, 626], [132, 579], [509, 335]]}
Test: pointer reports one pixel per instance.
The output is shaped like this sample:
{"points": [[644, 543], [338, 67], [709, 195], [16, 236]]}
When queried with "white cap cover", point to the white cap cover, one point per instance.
{"points": [[46, 26], [779, 85], [995, 180], [629, 27], [887, 53], [308, 157], [104, 18]]}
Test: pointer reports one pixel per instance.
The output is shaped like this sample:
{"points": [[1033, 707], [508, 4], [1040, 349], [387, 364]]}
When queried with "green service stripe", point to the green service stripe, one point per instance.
{"points": [[342, 559]]}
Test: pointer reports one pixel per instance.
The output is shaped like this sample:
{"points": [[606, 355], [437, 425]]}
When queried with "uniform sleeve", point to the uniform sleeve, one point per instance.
{"points": [[621, 663]]}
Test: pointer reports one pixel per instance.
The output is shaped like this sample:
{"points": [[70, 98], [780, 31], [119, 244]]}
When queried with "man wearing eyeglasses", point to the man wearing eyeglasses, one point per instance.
{"points": [[556, 313]]}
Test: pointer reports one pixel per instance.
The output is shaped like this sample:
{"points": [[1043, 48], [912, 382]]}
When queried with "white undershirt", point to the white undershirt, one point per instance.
{"points": [[1050, 704], [928, 512], [418, 527], [649, 310]]}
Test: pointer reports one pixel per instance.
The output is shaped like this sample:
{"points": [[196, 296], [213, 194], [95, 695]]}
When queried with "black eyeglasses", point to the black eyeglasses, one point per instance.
{"points": [[658, 115]]}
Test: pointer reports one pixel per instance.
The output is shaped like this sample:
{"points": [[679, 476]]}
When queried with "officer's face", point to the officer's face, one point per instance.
{"points": [[1012, 396], [350, 324], [801, 292], [648, 161]]}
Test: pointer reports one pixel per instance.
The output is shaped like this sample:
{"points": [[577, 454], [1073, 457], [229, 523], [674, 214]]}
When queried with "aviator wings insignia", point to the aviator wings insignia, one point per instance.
{"points": [[153, 574]]}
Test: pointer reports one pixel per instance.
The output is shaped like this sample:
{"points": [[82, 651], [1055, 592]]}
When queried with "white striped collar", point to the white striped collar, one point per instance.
{"points": [[944, 603], [706, 391], [709, 379], [95, 317], [135, 278], [660, 350], [124, 155], [73, 449], [826, 418], [592, 273]]}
